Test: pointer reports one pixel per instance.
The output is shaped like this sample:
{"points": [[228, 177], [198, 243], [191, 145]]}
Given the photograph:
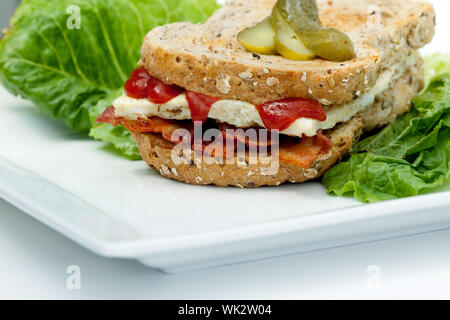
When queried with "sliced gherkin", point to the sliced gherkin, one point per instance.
{"points": [[287, 42], [304, 14], [259, 39], [294, 31], [330, 44], [303, 17]]}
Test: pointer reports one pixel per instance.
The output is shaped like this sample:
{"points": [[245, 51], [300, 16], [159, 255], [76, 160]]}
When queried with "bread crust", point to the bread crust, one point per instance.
{"points": [[207, 58], [156, 151]]}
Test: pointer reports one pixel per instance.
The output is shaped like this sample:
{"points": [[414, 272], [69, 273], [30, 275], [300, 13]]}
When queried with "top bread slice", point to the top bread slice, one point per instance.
{"points": [[207, 58]]}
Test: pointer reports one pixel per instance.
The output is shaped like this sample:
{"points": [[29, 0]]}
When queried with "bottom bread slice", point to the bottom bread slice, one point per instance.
{"points": [[157, 152]]}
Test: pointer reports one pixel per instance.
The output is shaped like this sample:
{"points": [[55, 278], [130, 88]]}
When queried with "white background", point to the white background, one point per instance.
{"points": [[35, 258]]}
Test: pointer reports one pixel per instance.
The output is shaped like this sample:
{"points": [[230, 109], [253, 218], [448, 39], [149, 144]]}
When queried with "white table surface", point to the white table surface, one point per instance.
{"points": [[35, 260]]}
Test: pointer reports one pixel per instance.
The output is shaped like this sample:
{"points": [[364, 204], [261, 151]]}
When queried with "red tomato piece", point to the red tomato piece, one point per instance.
{"points": [[159, 92], [282, 113], [200, 105]]}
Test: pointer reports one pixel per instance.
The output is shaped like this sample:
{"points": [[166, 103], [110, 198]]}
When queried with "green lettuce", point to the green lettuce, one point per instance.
{"points": [[436, 64], [407, 158], [71, 57], [118, 136]]}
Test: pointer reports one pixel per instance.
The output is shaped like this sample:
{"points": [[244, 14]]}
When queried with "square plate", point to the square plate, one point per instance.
{"points": [[119, 208]]}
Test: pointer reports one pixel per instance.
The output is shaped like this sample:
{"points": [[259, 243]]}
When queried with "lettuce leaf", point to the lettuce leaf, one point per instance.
{"points": [[69, 57], [118, 137], [436, 64], [407, 158]]}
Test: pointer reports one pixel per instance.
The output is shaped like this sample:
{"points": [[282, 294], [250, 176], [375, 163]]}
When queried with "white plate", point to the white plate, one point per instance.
{"points": [[119, 208]]}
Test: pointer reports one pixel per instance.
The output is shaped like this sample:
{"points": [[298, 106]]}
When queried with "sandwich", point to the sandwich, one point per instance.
{"points": [[286, 99]]}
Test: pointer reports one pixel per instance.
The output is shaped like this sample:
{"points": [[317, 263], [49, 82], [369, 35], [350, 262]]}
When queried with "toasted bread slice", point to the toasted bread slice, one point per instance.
{"points": [[396, 100], [207, 58]]}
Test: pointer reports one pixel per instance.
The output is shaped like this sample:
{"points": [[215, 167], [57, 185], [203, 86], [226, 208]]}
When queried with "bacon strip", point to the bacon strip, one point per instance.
{"points": [[300, 152], [305, 152], [156, 125]]}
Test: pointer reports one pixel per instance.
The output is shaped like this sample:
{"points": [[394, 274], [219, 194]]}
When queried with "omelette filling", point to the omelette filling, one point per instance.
{"points": [[150, 106], [245, 115]]}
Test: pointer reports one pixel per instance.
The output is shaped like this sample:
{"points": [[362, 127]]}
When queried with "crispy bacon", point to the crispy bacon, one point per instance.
{"points": [[300, 152], [304, 152], [157, 125]]}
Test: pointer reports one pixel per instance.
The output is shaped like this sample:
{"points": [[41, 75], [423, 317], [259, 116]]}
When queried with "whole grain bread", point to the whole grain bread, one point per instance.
{"points": [[207, 58], [396, 100]]}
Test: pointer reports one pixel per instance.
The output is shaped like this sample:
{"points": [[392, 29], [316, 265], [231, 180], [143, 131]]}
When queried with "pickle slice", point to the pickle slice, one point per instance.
{"points": [[287, 42], [259, 39], [303, 17], [303, 14], [329, 44], [294, 31]]}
